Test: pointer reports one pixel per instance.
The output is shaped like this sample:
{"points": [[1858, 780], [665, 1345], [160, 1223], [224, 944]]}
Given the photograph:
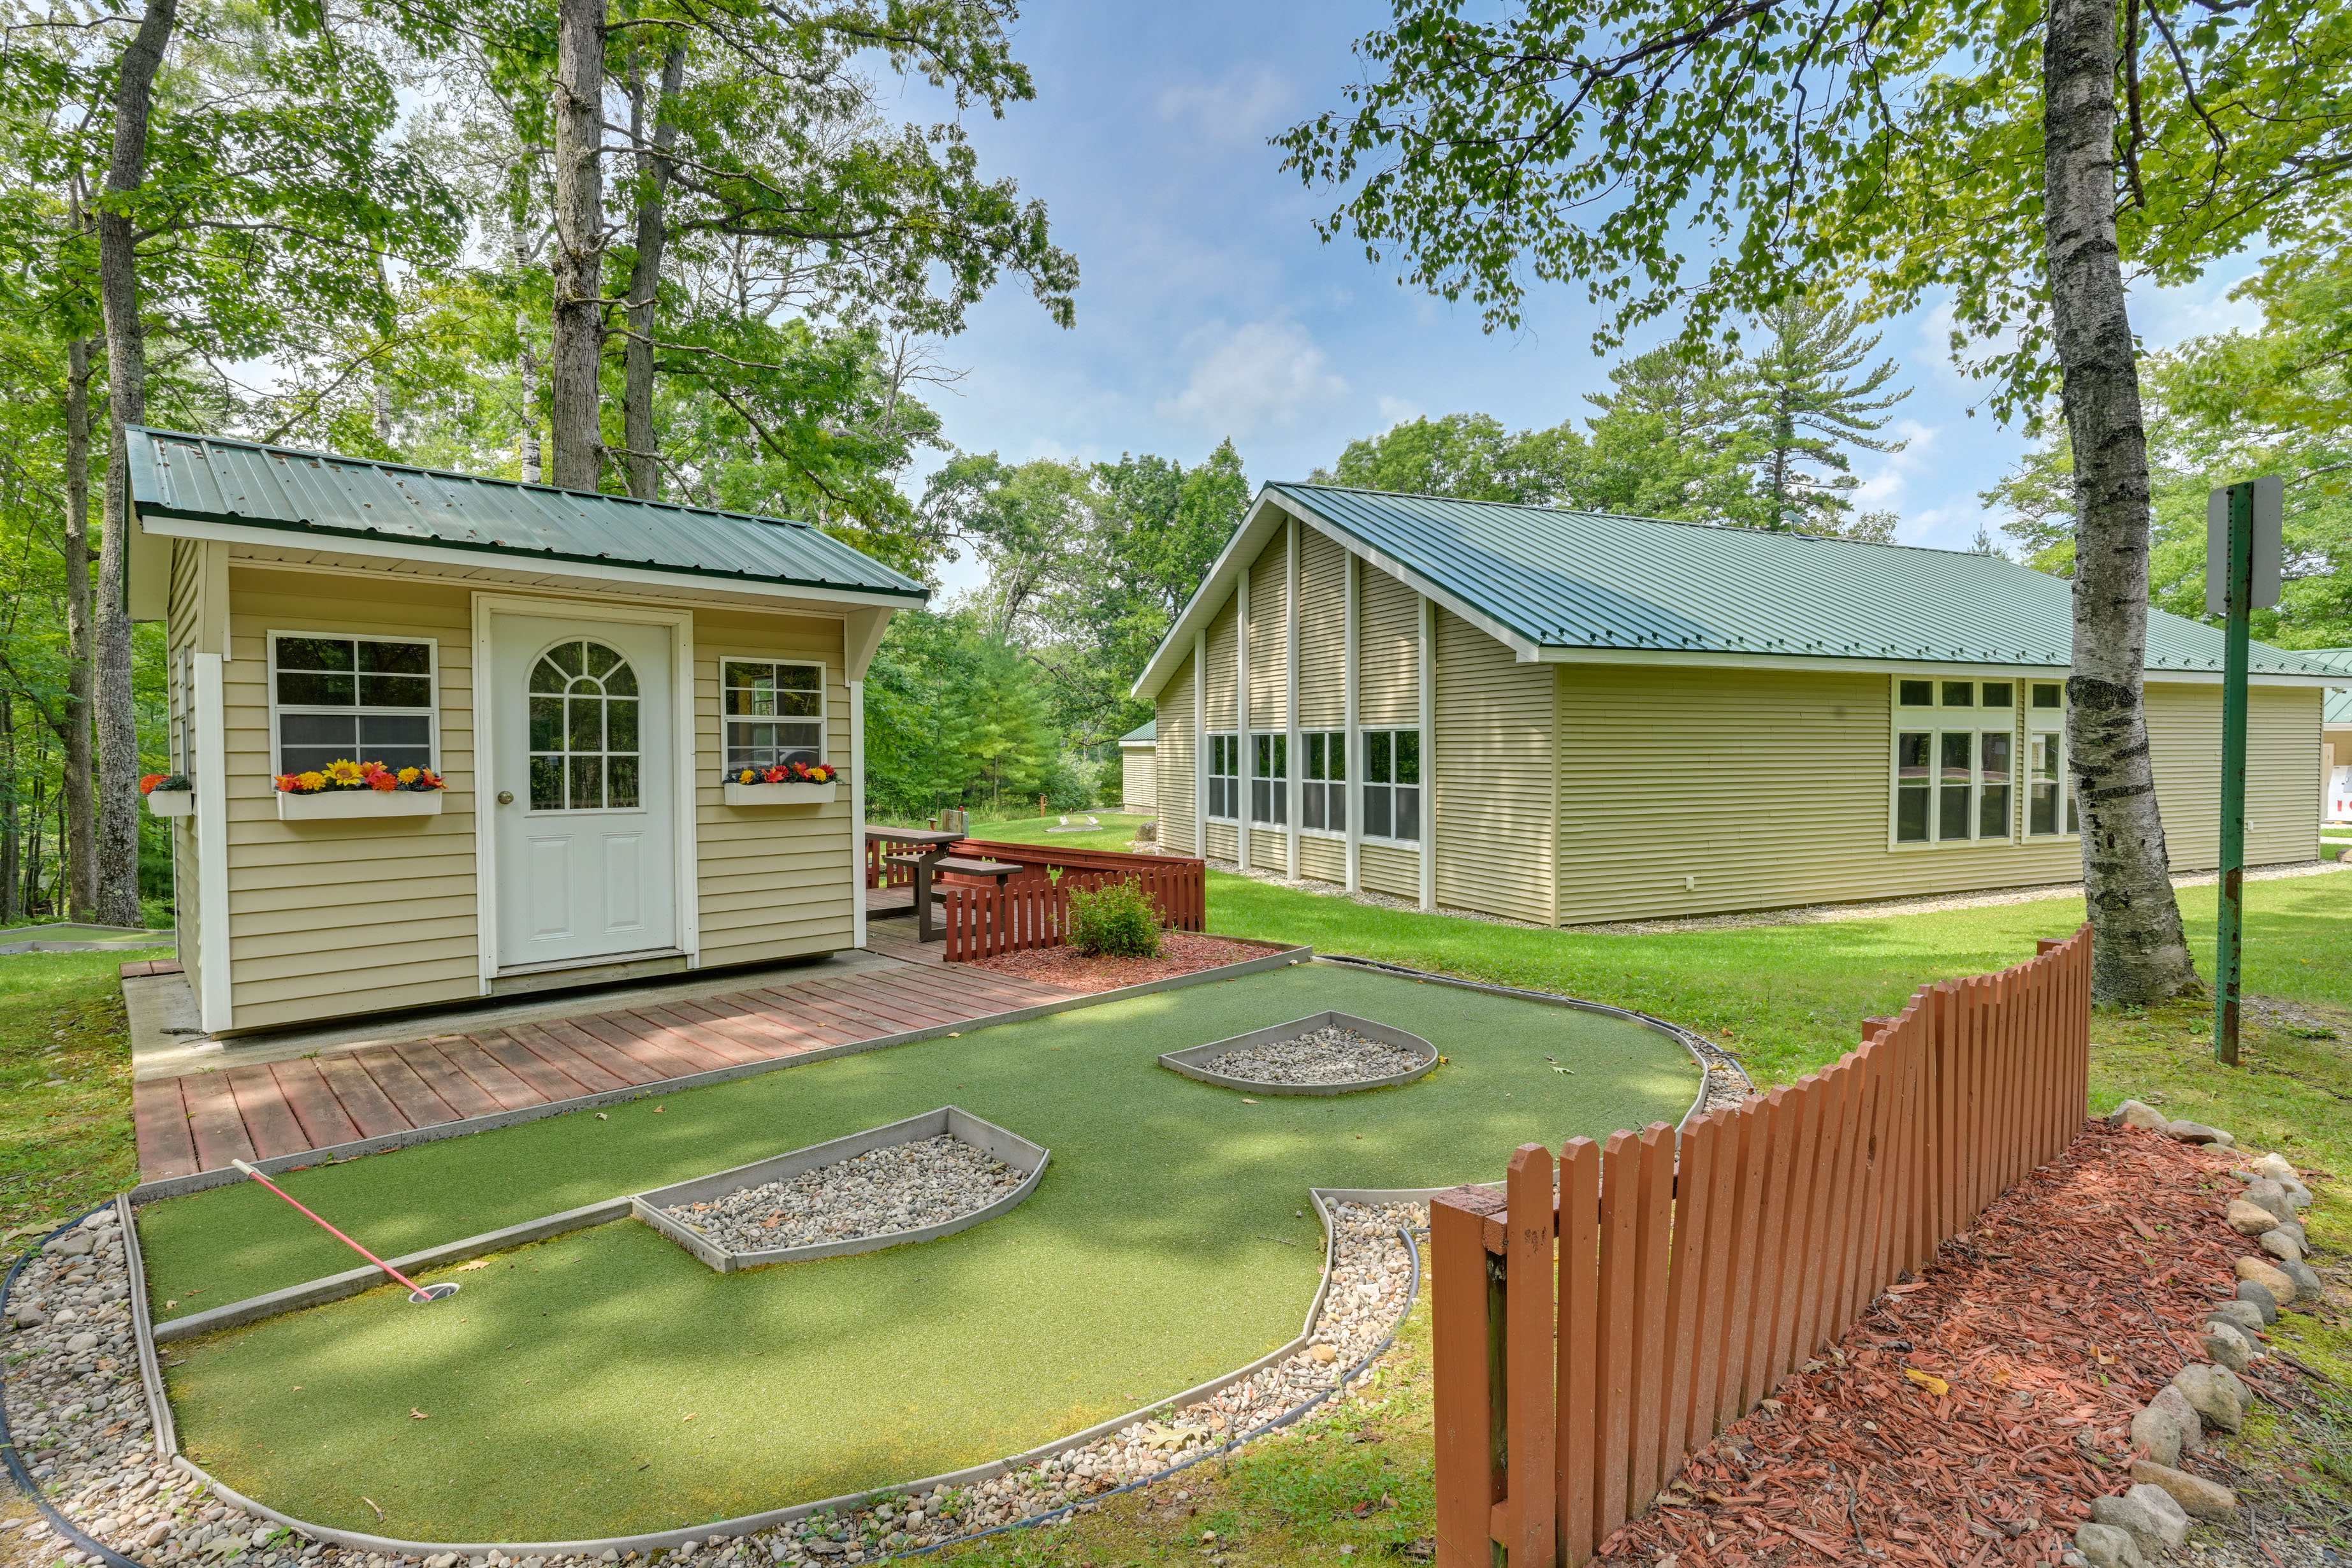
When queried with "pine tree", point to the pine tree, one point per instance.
{"points": [[1811, 406]]}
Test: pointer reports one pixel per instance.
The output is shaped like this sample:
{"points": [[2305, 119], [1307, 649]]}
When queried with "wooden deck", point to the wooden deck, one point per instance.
{"points": [[203, 1121]]}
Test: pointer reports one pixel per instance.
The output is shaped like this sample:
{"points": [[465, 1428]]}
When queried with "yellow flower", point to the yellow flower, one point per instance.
{"points": [[314, 780], [345, 772], [410, 775]]}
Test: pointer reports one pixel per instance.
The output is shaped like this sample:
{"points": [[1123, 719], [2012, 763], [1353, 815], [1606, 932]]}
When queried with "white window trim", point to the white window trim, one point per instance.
{"points": [[1282, 823], [432, 675], [824, 701], [1209, 770], [1937, 719], [1364, 781], [2050, 722], [1302, 784]]}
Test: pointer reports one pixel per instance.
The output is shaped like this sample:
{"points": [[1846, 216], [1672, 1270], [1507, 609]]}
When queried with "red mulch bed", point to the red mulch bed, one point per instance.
{"points": [[1183, 953], [2054, 1321]]}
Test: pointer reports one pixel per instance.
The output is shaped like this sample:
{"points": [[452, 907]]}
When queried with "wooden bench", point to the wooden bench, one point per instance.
{"points": [[929, 865]]}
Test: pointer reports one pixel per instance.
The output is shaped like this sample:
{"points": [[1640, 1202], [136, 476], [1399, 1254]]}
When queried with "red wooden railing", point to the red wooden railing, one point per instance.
{"points": [[1618, 1305], [984, 920]]}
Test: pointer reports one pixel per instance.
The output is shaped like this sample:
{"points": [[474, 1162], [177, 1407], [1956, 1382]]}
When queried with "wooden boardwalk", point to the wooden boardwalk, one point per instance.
{"points": [[203, 1121]]}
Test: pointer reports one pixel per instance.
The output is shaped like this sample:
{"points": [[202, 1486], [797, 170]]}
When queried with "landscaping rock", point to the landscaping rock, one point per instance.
{"points": [[2225, 1345], [2272, 1197], [905, 1186], [2277, 1167], [73, 1244], [2243, 1315], [2294, 1228], [2248, 1217], [2106, 1546], [1333, 1053], [2198, 1498], [2197, 1133], [2132, 1113], [2259, 1297], [2219, 1396], [2281, 1246], [2308, 1286], [2298, 1196], [2167, 1428], [2264, 1272], [2148, 1514]]}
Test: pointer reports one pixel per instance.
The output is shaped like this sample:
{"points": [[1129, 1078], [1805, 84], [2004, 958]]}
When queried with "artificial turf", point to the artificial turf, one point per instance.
{"points": [[607, 1383]]}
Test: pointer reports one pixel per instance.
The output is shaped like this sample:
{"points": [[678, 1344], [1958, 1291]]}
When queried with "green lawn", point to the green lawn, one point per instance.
{"points": [[65, 1084], [1167, 1243], [1117, 832]]}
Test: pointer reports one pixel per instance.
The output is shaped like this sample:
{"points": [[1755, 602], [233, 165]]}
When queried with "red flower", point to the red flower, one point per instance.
{"points": [[382, 779], [147, 785]]}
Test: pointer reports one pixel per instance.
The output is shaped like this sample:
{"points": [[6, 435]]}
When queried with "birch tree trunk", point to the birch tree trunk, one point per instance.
{"points": [[643, 465], [578, 317], [2138, 953], [81, 798], [126, 395]]}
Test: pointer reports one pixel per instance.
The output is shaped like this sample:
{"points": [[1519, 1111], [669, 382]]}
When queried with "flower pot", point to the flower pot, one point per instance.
{"points": [[358, 804], [781, 794], [171, 802]]}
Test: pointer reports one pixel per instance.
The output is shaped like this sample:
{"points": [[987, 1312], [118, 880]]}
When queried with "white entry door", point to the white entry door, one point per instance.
{"points": [[583, 782]]}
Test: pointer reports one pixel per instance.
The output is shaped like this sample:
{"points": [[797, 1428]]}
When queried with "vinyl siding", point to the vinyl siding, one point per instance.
{"points": [[1493, 776], [331, 918], [2184, 731], [1269, 850], [1269, 655], [1324, 859], [1139, 781], [1221, 657], [1322, 633], [1221, 840], [1388, 867], [1175, 777], [774, 881], [1388, 690]]}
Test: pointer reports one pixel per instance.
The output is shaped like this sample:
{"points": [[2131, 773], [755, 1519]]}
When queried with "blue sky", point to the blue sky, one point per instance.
{"points": [[1210, 309]]}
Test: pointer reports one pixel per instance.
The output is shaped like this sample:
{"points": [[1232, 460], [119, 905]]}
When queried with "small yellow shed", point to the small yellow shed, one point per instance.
{"points": [[587, 675], [1564, 717]]}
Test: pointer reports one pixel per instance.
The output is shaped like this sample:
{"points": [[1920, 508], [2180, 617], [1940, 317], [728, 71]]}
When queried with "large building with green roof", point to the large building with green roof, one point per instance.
{"points": [[1567, 717]]}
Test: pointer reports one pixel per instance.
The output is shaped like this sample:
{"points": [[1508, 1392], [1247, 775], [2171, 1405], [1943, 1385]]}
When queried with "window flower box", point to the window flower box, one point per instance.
{"points": [[784, 784], [358, 791], [168, 794]]}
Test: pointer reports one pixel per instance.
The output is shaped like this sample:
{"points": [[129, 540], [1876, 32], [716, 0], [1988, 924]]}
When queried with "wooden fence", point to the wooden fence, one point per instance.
{"points": [[982, 921], [1618, 1305]]}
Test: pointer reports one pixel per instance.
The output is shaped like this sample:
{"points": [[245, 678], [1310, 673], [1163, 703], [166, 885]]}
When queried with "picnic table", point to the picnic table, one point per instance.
{"points": [[930, 863]]}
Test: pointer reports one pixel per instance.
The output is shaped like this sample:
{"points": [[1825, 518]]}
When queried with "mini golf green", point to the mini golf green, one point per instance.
{"points": [[607, 1382]]}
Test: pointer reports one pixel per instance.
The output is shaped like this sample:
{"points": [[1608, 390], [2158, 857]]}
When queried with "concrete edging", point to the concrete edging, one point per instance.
{"points": [[166, 1440], [1189, 1061], [1003, 1144], [225, 1175], [1672, 1031]]}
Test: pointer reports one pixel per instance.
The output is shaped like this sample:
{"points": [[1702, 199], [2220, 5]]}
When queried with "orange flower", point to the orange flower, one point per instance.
{"points": [[147, 785]]}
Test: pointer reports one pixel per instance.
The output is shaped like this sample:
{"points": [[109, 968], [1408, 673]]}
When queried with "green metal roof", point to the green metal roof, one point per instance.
{"points": [[1580, 579], [211, 478], [2338, 712], [1149, 730]]}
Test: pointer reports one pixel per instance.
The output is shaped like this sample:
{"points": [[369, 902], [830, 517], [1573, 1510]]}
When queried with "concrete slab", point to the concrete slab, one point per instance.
{"points": [[157, 1053]]}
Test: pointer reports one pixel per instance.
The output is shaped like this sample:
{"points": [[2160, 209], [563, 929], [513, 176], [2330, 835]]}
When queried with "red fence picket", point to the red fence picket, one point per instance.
{"points": [[1591, 1335]]}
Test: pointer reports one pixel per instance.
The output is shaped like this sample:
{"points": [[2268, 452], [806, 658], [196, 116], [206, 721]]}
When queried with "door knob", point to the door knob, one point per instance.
{"points": [[506, 797]]}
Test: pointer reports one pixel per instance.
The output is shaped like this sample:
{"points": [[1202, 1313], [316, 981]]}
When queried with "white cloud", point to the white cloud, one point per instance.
{"points": [[1883, 488], [1396, 411], [1262, 375], [1244, 105]]}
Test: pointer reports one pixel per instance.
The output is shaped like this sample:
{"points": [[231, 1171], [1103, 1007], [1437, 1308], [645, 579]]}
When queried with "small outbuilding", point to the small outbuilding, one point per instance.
{"points": [[2337, 797], [1139, 780], [550, 700], [1564, 717]]}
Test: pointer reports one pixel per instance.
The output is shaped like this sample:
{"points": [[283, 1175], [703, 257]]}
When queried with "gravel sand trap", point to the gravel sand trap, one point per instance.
{"points": [[904, 1187], [1331, 1054]]}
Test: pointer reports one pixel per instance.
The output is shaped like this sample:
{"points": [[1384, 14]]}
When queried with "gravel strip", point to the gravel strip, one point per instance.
{"points": [[80, 1415], [905, 1186], [1332, 1055]]}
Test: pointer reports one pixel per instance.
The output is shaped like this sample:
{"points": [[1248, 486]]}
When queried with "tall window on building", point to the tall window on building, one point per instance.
{"points": [[1323, 794], [2048, 804], [1393, 784], [360, 699], [1270, 780], [1955, 761], [1224, 776]]}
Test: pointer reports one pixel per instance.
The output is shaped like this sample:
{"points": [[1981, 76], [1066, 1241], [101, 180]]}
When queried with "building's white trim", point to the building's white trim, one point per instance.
{"points": [[514, 561], [687, 874], [1352, 575], [1200, 742], [215, 999], [1248, 759], [856, 813], [1429, 753], [212, 617], [1292, 761]]}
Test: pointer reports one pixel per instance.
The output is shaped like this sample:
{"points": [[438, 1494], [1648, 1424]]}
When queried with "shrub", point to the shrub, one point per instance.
{"points": [[1114, 918]]}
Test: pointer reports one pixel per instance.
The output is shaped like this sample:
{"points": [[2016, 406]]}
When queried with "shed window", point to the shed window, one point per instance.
{"points": [[775, 713], [362, 699], [585, 749], [1224, 777], [1270, 780], [1954, 785], [1393, 784], [1323, 794]]}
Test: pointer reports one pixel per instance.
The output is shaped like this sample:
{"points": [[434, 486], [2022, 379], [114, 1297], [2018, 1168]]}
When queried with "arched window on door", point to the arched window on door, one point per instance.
{"points": [[584, 747]]}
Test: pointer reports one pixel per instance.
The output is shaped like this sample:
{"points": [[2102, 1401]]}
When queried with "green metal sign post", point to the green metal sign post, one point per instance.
{"points": [[2241, 574]]}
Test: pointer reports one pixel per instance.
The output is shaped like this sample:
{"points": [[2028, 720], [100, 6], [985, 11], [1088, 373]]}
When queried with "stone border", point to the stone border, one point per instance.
{"points": [[167, 1445], [1712, 1061], [1009, 1147], [1188, 1062], [223, 1176]]}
